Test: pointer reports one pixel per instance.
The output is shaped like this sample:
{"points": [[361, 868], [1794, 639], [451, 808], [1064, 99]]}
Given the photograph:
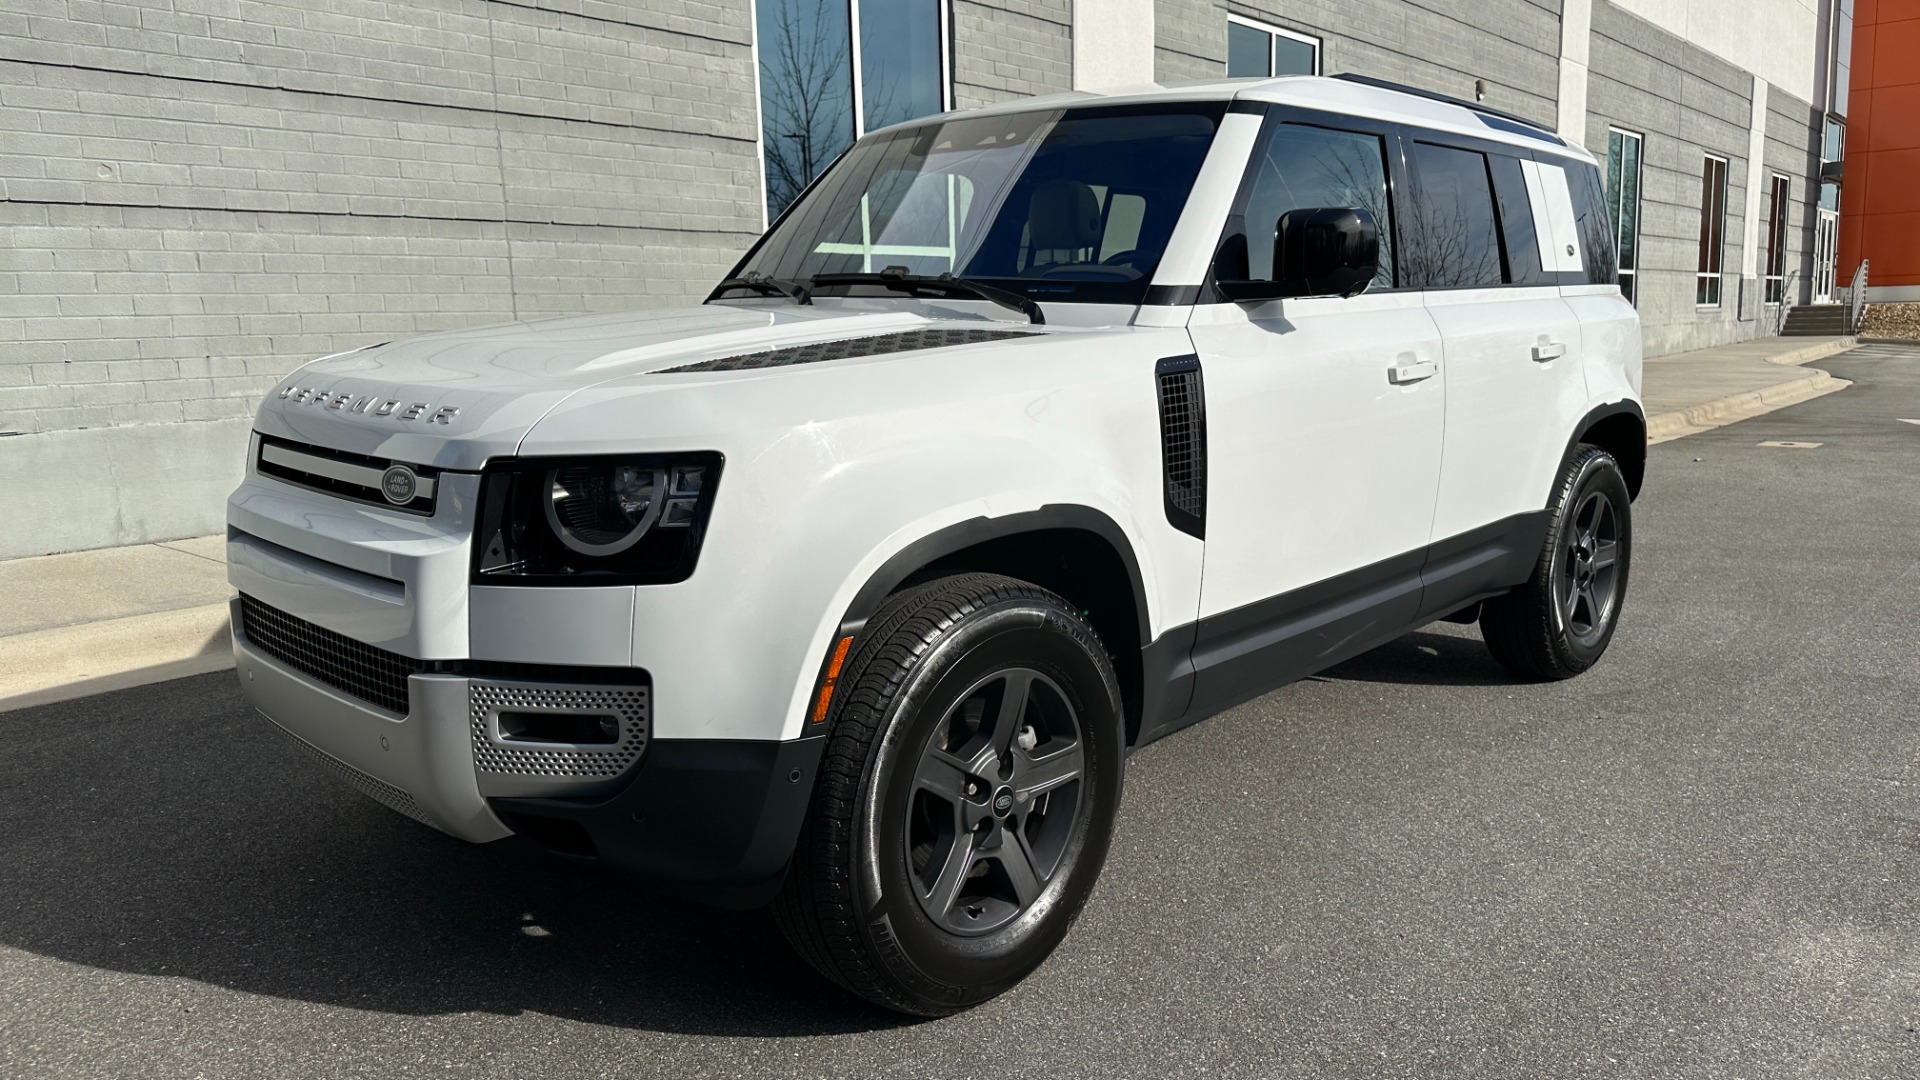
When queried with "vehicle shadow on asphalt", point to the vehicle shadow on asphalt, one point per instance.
{"points": [[1425, 658], [168, 831]]}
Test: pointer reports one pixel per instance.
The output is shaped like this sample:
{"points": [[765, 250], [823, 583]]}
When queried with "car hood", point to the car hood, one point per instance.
{"points": [[453, 400]]}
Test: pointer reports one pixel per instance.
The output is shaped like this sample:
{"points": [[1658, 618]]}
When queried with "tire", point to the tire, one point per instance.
{"points": [[1559, 622], [912, 889]]}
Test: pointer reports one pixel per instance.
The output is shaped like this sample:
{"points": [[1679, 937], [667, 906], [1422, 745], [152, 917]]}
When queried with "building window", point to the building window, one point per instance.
{"points": [[833, 70], [1624, 152], [1256, 50], [1713, 230], [1777, 211], [1840, 72]]}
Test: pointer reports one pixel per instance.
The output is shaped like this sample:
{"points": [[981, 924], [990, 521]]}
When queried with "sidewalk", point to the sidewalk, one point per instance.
{"points": [[79, 624]]}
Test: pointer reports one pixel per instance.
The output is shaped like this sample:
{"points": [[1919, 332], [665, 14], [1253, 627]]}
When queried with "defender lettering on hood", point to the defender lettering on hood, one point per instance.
{"points": [[369, 404]]}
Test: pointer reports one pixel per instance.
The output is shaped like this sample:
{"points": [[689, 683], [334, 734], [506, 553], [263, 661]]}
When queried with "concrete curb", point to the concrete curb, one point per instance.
{"points": [[74, 661], [1665, 427]]}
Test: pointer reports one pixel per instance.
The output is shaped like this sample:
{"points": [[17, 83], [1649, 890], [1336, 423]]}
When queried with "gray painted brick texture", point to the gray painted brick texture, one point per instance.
{"points": [[253, 184]]}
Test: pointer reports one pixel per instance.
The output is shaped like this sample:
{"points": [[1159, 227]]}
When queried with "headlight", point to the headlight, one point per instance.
{"points": [[616, 520]]}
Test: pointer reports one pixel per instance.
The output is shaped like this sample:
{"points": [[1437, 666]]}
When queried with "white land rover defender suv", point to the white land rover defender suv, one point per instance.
{"points": [[1026, 436]]}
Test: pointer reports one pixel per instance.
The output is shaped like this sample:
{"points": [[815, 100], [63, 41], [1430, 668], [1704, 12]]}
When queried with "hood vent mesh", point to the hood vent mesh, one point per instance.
{"points": [[908, 341]]}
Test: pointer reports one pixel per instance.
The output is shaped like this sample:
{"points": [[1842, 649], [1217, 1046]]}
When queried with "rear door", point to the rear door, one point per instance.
{"points": [[1323, 427], [1493, 235]]}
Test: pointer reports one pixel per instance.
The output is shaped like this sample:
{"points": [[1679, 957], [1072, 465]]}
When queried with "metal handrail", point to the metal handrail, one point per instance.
{"points": [[1788, 301], [1857, 298]]}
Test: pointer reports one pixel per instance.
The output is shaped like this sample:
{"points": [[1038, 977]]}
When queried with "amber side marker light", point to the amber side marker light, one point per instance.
{"points": [[833, 676]]}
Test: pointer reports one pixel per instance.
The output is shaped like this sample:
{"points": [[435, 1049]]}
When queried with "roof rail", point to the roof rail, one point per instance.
{"points": [[1433, 95]]}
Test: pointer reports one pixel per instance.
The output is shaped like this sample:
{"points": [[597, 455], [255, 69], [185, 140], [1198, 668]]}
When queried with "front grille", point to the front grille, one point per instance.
{"points": [[349, 476], [564, 763], [1183, 441], [371, 786], [880, 344], [371, 674]]}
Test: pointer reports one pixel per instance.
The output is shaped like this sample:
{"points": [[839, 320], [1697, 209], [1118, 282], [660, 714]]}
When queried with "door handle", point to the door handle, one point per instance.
{"points": [[1552, 350], [1412, 371]]}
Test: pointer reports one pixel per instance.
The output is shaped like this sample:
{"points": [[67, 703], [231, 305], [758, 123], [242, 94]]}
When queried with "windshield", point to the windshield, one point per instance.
{"points": [[1064, 205]]}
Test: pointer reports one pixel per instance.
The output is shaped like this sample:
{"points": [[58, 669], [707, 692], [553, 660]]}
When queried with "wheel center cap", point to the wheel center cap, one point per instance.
{"points": [[1003, 802]]}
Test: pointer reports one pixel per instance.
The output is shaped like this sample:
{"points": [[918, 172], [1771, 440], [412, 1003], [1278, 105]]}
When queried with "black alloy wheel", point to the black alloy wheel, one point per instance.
{"points": [[966, 797], [995, 799], [1559, 622]]}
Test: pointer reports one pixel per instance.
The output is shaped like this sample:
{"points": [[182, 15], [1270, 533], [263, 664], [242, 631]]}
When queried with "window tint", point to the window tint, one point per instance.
{"points": [[1303, 168], [1516, 222], [1074, 205], [1596, 225], [1458, 237]]}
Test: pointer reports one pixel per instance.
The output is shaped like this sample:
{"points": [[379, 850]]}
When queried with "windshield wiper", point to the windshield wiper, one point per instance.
{"points": [[766, 286], [943, 285]]}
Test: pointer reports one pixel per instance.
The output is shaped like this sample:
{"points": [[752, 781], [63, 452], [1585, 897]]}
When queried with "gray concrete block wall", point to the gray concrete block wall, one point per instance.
{"points": [[1444, 45], [197, 196], [1687, 103], [1010, 48], [1793, 149]]}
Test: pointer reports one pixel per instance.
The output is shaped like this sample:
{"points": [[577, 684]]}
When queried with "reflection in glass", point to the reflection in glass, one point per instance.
{"points": [[1623, 204], [806, 92], [1074, 205], [1305, 168], [1292, 56], [899, 61], [1249, 52], [1460, 239]]}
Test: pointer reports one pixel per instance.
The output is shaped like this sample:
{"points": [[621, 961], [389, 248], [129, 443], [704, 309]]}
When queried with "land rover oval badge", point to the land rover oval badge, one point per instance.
{"points": [[398, 485]]}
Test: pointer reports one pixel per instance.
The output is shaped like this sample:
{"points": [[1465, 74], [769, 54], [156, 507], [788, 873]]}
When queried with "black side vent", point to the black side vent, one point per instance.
{"points": [[1183, 442], [907, 341]]}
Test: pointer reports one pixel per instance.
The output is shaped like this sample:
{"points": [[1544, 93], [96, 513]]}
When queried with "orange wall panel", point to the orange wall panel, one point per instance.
{"points": [[1880, 202]]}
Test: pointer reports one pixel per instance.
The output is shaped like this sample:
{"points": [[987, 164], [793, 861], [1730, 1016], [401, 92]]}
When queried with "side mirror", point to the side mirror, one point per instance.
{"points": [[1327, 251]]}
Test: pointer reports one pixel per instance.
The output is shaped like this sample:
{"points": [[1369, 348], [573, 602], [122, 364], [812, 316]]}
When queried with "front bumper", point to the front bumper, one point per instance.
{"points": [[719, 816], [420, 764]]}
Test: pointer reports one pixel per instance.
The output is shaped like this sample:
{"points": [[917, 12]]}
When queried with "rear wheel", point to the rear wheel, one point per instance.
{"points": [[1559, 622], [966, 800]]}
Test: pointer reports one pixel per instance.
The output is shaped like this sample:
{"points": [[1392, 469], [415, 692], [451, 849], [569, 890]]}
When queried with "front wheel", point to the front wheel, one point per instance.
{"points": [[1559, 622], [966, 800]]}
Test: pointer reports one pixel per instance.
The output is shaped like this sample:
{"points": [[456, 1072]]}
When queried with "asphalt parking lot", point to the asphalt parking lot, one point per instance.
{"points": [[1701, 859]]}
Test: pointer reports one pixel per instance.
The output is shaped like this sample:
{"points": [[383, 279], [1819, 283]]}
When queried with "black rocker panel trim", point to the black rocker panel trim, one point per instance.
{"points": [[1480, 564], [1238, 655], [717, 818]]}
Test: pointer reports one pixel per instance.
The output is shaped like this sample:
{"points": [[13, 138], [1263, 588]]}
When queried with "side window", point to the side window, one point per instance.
{"points": [[1517, 225], [1298, 167], [1457, 235], [1595, 225]]}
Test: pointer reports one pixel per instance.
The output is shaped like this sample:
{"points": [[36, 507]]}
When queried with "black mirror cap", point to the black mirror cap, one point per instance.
{"points": [[1323, 251]]}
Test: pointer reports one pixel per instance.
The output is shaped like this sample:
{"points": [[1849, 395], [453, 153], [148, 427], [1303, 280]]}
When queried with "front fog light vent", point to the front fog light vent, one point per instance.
{"points": [[547, 739]]}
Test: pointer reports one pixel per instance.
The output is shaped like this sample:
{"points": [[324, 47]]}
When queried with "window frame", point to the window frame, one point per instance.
{"points": [[1319, 44], [1773, 272], [943, 19], [1709, 281], [1393, 153], [1415, 137], [1621, 272]]}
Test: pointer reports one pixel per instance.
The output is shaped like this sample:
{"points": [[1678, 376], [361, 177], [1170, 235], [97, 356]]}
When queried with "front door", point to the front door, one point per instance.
{"points": [[1826, 245], [1324, 424]]}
